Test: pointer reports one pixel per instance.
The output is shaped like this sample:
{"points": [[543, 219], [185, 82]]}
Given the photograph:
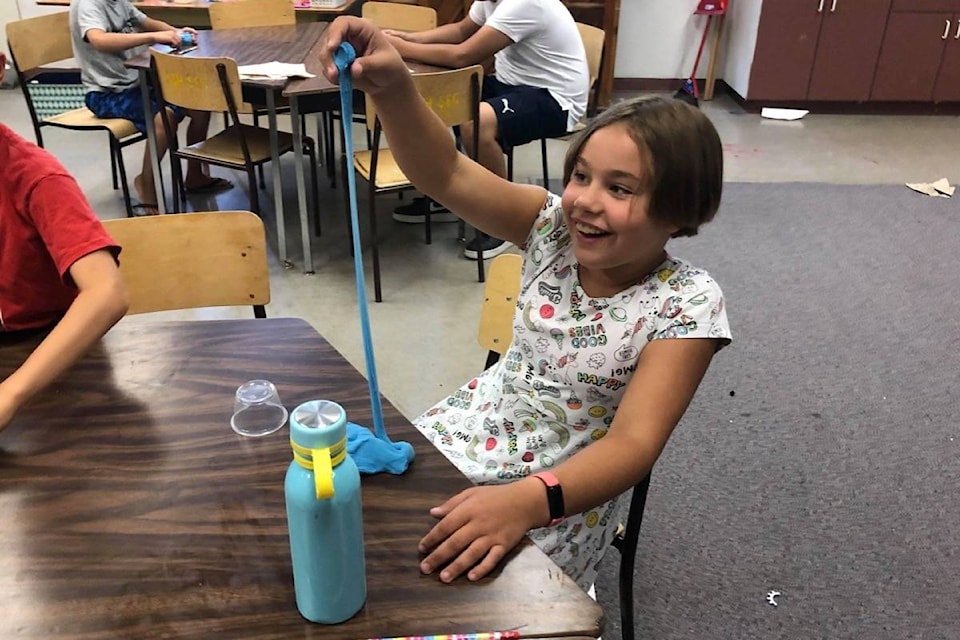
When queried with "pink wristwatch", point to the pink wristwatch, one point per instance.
{"points": [[554, 496]]}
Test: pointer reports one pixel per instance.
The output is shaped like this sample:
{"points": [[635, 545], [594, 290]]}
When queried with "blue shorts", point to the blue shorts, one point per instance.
{"points": [[523, 113], [126, 104]]}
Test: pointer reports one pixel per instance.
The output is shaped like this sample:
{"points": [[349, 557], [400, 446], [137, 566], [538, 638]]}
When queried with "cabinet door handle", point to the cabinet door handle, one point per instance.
{"points": [[946, 30], [957, 37], [820, 8], [833, 6]]}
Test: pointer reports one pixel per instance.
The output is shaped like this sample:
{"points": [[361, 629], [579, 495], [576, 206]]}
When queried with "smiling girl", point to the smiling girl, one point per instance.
{"points": [[612, 334]]}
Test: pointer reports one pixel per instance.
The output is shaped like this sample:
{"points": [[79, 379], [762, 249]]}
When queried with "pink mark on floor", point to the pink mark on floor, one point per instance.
{"points": [[739, 151]]}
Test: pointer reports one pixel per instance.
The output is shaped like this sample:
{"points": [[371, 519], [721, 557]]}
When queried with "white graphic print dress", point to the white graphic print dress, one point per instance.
{"points": [[559, 385]]}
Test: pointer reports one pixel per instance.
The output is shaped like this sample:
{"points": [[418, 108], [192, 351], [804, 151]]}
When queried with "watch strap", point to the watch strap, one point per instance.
{"points": [[554, 496]]}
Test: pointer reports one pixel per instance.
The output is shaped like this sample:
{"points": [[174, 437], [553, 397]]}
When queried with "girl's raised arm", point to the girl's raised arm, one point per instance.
{"points": [[423, 146]]}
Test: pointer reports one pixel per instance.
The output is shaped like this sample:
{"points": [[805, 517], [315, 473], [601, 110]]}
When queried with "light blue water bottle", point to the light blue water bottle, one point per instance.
{"points": [[324, 515]]}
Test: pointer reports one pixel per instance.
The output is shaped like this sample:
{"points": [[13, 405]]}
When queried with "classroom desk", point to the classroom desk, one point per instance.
{"points": [[130, 509], [253, 45], [196, 13]]}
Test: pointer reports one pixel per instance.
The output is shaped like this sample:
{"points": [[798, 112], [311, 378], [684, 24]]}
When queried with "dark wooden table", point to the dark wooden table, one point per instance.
{"points": [[130, 509], [255, 45]]}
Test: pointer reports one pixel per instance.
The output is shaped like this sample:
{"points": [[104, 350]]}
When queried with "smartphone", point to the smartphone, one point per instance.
{"points": [[182, 50]]}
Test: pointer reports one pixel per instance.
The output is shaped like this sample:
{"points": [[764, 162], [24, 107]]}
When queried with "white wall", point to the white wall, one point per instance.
{"points": [[659, 39], [738, 44]]}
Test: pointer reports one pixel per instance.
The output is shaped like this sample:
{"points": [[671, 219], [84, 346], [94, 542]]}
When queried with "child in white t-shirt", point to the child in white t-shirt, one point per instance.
{"points": [[540, 88]]}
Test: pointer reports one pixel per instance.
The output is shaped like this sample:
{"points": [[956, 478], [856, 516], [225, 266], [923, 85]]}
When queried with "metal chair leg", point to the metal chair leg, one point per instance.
{"points": [[117, 153], [378, 295], [312, 155], [113, 162], [626, 543], [543, 161], [262, 183]]}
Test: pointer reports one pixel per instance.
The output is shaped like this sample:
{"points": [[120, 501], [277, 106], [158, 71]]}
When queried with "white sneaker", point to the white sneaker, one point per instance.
{"points": [[491, 247]]}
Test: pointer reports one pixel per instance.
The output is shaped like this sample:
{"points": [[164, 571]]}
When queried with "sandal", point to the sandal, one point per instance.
{"points": [[215, 185], [146, 209]]}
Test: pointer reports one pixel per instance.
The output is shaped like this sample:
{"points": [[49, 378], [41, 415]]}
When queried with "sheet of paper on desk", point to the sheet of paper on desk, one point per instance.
{"points": [[274, 71]]}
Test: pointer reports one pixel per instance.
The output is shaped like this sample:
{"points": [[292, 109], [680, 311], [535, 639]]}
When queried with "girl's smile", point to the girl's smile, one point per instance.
{"points": [[606, 207]]}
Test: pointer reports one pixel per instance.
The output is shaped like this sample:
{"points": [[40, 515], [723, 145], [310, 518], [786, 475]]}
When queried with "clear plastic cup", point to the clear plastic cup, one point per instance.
{"points": [[257, 410]]}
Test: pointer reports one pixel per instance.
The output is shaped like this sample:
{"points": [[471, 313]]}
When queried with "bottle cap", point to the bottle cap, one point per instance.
{"points": [[318, 424]]}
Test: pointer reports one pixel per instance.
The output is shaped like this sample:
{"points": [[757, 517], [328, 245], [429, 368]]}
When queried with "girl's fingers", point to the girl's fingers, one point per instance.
{"points": [[479, 550], [489, 563]]}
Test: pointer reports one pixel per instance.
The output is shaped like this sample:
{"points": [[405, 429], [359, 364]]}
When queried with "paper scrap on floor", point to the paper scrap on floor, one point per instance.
{"points": [[939, 189], [782, 114], [274, 71]]}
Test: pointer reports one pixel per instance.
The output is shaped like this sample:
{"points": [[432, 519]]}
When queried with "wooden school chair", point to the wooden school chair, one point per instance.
{"points": [[192, 260], [495, 334], [213, 84], [251, 13], [254, 13], [455, 97], [593, 39], [402, 17], [36, 43], [386, 15]]}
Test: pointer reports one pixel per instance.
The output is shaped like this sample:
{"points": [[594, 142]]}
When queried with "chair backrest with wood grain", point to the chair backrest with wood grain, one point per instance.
{"points": [[191, 260], [500, 294], [453, 95], [593, 40], [252, 13], [402, 17], [40, 41], [194, 83]]}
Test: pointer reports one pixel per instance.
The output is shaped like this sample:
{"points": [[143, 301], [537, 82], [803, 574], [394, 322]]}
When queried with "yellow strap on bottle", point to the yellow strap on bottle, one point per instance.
{"points": [[321, 462]]}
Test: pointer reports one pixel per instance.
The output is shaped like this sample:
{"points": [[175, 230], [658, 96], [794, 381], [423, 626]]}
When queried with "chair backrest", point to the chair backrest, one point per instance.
{"points": [[593, 44], [499, 304], [191, 260], [194, 83], [453, 95], [40, 41], [593, 40], [402, 17], [252, 13]]}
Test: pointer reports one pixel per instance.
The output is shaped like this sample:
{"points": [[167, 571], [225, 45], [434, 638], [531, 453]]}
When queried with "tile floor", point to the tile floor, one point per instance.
{"points": [[424, 331]]}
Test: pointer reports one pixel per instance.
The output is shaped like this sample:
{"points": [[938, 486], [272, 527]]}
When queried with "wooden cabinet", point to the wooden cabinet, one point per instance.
{"points": [[920, 57], [947, 88], [850, 36], [786, 46], [910, 57], [817, 49]]}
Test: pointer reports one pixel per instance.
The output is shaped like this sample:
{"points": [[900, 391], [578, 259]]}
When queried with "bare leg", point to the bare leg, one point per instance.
{"points": [[144, 184], [490, 155], [197, 132]]}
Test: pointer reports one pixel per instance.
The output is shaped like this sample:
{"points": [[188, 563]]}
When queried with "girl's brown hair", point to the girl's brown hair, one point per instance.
{"points": [[682, 151]]}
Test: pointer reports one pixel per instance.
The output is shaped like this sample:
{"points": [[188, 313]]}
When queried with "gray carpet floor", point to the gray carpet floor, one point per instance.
{"points": [[821, 456]]}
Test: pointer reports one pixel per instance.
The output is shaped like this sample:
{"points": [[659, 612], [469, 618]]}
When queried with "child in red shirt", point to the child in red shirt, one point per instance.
{"points": [[58, 267]]}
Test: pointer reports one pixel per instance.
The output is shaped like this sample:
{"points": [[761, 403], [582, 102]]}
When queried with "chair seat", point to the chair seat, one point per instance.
{"points": [[83, 118], [577, 128], [389, 175], [225, 146]]}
